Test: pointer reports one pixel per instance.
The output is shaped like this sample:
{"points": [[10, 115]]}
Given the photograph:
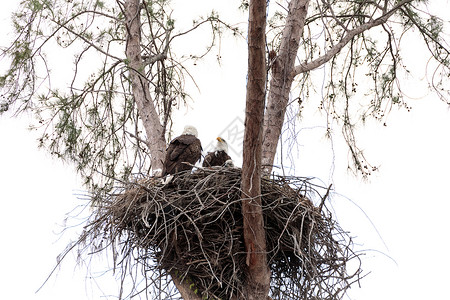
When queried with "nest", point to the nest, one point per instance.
{"points": [[192, 228]]}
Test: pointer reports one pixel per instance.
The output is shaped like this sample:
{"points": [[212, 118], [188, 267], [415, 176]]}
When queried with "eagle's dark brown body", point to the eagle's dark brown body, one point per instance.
{"points": [[185, 148], [216, 158]]}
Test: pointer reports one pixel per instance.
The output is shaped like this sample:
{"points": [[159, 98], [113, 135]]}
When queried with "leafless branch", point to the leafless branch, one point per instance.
{"points": [[350, 34]]}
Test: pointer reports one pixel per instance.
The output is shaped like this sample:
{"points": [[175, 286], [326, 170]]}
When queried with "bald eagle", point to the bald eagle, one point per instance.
{"points": [[219, 156], [184, 149]]}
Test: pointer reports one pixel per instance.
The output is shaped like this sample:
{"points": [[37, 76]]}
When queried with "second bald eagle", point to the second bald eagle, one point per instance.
{"points": [[219, 156]]}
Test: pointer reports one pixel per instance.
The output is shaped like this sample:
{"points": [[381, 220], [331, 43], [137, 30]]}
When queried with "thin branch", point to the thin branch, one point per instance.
{"points": [[305, 67], [137, 138], [86, 40]]}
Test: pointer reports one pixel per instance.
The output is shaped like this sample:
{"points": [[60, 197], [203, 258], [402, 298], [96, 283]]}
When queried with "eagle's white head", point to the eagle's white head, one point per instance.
{"points": [[189, 129], [221, 145]]}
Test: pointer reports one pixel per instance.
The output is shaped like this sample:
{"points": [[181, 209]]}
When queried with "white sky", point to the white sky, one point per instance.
{"points": [[407, 200]]}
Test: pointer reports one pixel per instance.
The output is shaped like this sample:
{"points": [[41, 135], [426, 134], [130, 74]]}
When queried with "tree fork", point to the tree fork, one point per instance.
{"points": [[140, 89], [258, 274], [282, 78], [146, 108]]}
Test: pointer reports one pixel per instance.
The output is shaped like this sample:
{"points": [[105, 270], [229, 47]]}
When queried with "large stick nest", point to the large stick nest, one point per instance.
{"points": [[192, 228]]}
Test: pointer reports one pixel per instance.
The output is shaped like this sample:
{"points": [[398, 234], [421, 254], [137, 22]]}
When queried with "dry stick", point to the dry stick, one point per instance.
{"points": [[324, 198], [203, 241]]}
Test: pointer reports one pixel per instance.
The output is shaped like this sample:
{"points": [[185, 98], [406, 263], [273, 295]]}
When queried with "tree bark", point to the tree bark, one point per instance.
{"points": [[185, 292], [150, 119], [258, 273], [281, 82], [140, 88]]}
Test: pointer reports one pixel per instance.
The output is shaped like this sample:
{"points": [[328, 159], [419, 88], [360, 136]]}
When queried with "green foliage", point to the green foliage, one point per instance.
{"points": [[363, 79], [89, 122], [38, 5], [86, 110], [244, 5], [432, 30]]}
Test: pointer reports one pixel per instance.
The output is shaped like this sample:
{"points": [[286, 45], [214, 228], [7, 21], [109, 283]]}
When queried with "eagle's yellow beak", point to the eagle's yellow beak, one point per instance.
{"points": [[219, 139]]}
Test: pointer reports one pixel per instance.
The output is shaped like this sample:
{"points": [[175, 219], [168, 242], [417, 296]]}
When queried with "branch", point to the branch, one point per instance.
{"points": [[149, 60], [322, 202], [425, 33], [305, 67], [64, 25], [138, 138], [140, 88]]}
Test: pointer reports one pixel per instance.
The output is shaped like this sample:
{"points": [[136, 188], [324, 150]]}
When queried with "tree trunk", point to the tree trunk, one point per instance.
{"points": [[258, 273], [281, 82], [185, 292], [150, 119]]}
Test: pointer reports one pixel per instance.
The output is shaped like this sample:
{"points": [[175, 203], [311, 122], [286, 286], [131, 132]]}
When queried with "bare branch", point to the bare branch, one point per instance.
{"points": [[305, 67], [64, 25]]}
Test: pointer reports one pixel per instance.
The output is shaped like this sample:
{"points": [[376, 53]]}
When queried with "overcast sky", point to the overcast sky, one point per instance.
{"points": [[400, 215]]}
